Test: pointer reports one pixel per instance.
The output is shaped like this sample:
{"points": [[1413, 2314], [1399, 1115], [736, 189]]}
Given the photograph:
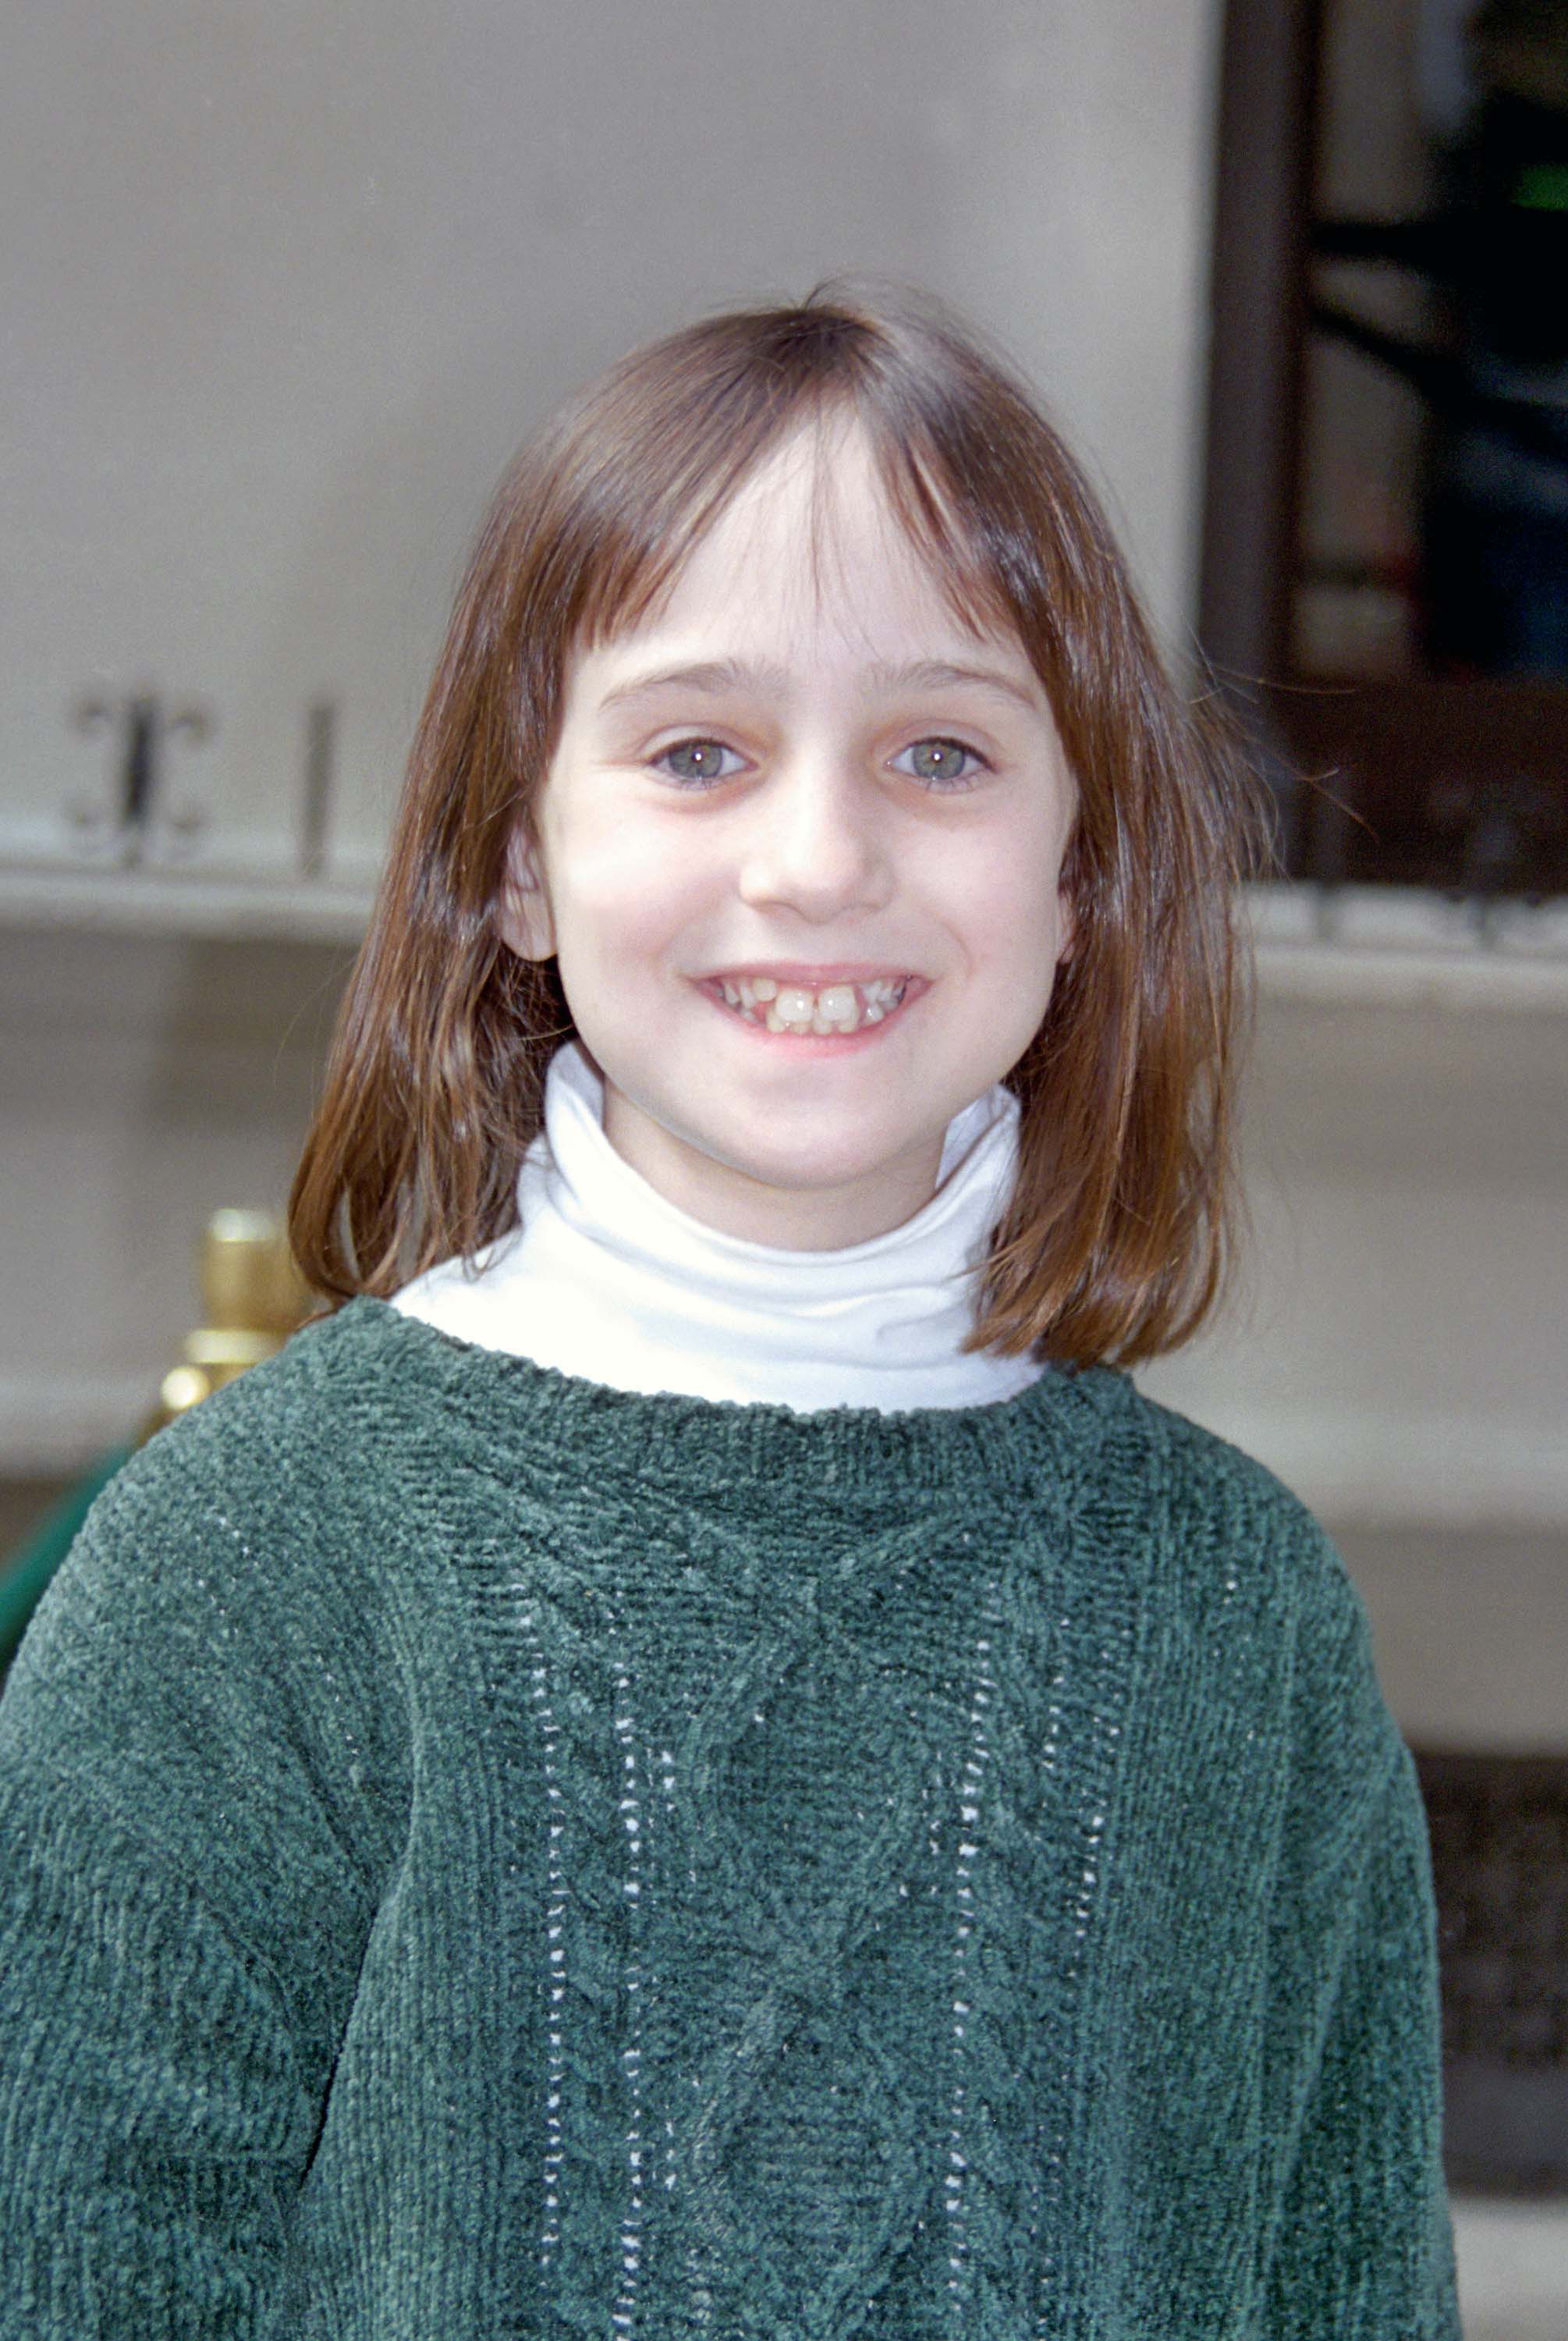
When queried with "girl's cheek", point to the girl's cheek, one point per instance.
{"points": [[639, 881]]}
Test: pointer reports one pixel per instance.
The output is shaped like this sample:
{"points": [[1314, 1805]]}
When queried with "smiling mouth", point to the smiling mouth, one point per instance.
{"points": [[821, 1011]]}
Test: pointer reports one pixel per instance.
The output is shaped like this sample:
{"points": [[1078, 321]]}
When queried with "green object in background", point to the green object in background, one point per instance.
{"points": [[26, 1572]]}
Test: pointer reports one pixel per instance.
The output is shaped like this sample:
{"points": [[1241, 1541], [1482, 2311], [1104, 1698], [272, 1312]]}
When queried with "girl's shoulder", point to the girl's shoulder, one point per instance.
{"points": [[1215, 1492], [1237, 1558], [220, 1647], [243, 1518], [1211, 1496], [308, 1421], [281, 1436]]}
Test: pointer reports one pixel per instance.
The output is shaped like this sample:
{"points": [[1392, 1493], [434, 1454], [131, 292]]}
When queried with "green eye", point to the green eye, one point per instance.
{"points": [[945, 764], [942, 767], [702, 769]]}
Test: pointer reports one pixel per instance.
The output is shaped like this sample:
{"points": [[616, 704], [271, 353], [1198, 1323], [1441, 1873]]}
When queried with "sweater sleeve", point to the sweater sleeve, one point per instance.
{"points": [[1363, 2249], [155, 2116], [183, 1905]]}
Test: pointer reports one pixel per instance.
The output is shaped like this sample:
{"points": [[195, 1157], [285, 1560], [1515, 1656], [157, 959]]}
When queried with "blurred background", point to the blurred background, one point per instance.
{"points": [[284, 289]]}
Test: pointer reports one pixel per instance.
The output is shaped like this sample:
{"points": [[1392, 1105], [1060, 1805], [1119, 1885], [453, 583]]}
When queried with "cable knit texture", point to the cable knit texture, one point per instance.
{"points": [[483, 1854]]}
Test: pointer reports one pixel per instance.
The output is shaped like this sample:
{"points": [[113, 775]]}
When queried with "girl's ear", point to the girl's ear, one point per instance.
{"points": [[523, 917]]}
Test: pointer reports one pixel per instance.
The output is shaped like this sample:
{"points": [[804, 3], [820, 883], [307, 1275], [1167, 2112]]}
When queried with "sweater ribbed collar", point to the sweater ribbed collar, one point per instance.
{"points": [[529, 1425]]}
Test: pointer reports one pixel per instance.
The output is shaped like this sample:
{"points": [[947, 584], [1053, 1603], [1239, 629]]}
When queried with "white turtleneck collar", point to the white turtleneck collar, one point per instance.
{"points": [[604, 1279]]}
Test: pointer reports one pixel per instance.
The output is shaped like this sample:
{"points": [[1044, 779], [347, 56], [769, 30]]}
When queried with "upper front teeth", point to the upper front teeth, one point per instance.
{"points": [[793, 1007]]}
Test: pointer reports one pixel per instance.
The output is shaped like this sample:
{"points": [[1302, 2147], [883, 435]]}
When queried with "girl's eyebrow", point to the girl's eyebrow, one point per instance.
{"points": [[714, 675]]}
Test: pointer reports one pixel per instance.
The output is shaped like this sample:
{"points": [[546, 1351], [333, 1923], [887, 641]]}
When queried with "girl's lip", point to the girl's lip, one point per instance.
{"points": [[812, 978]]}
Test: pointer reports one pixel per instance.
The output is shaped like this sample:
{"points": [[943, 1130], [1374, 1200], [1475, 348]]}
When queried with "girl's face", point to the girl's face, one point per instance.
{"points": [[808, 786]]}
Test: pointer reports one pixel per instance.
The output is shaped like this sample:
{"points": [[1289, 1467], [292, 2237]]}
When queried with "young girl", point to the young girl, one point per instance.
{"points": [[697, 1760]]}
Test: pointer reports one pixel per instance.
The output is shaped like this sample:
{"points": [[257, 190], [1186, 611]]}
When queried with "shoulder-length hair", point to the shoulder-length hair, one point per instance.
{"points": [[1120, 1236]]}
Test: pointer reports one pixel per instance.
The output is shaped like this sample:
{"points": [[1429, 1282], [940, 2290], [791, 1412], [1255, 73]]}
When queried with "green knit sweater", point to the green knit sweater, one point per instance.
{"points": [[483, 1855]]}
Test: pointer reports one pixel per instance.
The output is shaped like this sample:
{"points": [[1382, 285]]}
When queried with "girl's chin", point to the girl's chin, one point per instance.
{"points": [[796, 1162]]}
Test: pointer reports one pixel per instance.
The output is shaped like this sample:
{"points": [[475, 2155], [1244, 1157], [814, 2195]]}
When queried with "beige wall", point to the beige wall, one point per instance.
{"points": [[311, 274]]}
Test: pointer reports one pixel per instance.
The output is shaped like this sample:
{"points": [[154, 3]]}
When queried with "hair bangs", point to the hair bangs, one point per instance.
{"points": [[957, 549], [660, 520]]}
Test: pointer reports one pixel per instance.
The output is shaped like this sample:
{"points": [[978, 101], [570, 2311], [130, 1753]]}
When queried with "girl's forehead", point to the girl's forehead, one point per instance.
{"points": [[815, 508], [811, 546], [743, 627]]}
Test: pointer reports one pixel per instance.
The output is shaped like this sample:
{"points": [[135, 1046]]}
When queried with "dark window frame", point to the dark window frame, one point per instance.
{"points": [[1462, 785]]}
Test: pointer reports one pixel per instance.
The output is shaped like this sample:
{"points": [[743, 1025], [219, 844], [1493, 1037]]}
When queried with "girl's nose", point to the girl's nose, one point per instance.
{"points": [[817, 844]]}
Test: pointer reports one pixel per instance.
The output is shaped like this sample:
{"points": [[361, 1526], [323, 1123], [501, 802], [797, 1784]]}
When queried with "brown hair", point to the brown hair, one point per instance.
{"points": [[1120, 1234]]}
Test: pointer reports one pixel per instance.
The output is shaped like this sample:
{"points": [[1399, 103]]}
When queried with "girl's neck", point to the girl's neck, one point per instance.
{"points": [[606, 1279]]}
